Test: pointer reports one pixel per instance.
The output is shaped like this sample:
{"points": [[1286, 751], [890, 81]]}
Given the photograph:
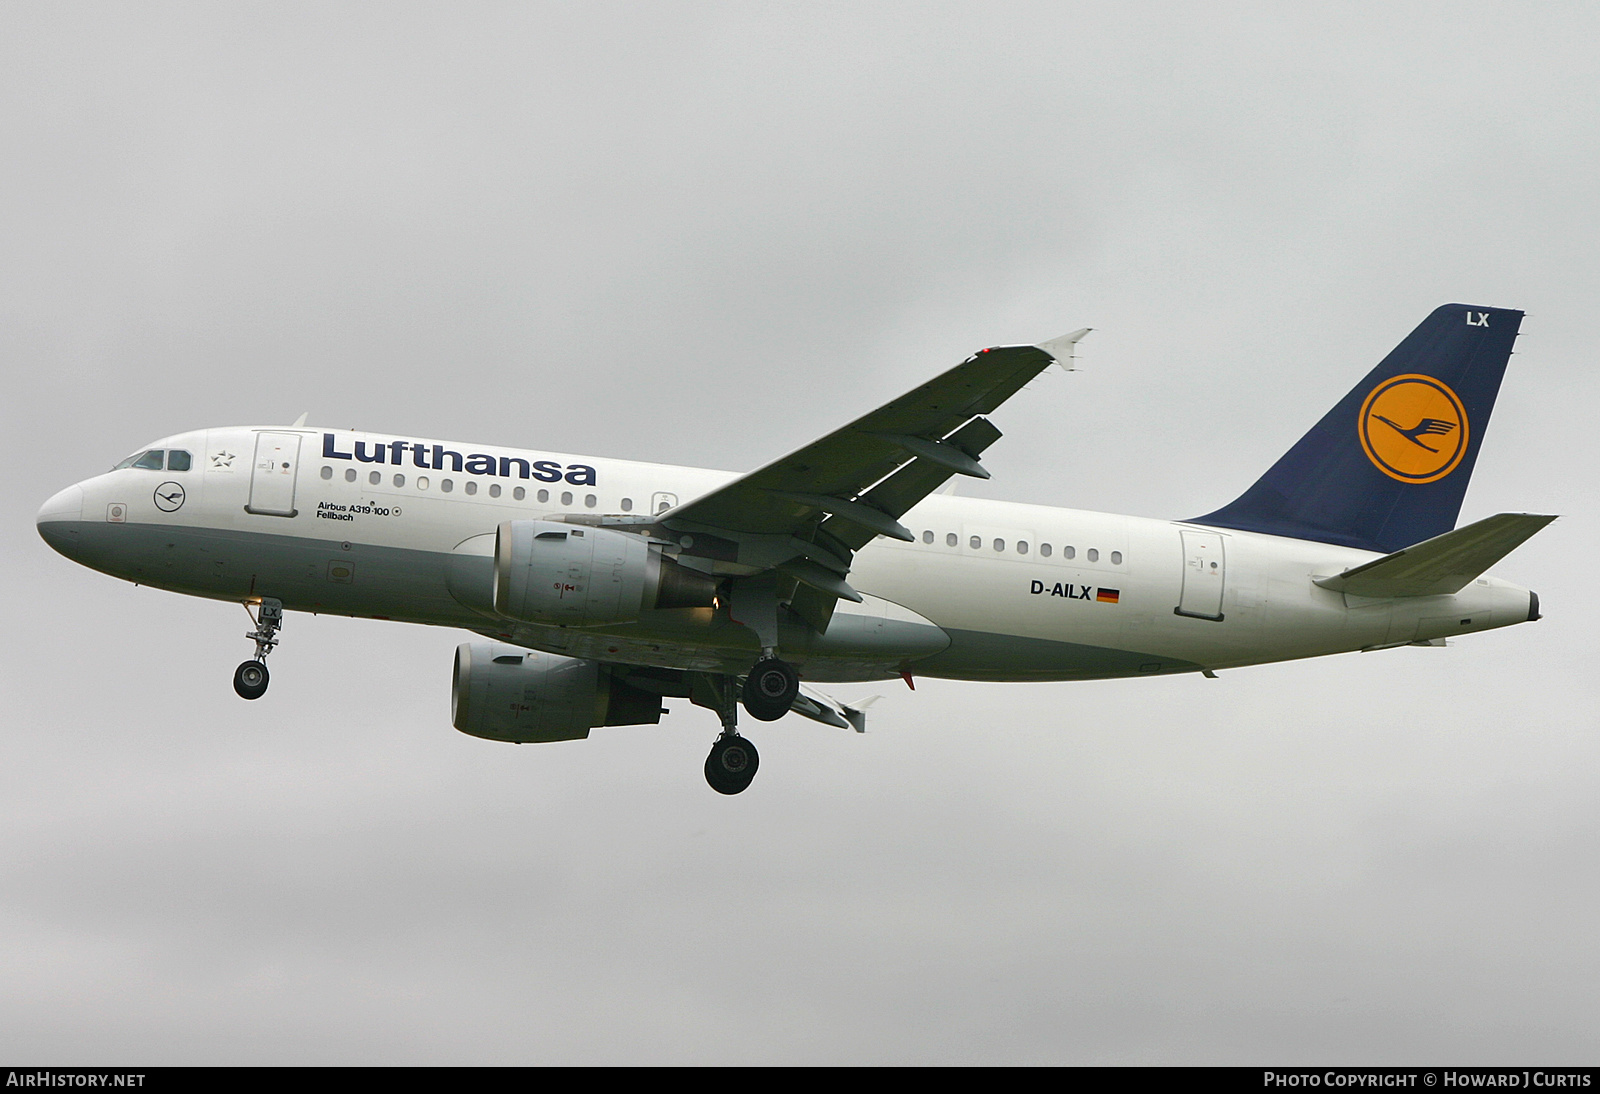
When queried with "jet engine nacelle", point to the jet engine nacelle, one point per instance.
{"points": [[505, 693], [581, 576]]}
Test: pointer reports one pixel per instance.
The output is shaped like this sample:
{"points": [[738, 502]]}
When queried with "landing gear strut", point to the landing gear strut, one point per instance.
{"points": [[772, 684], [733, 760], [250, 679]]}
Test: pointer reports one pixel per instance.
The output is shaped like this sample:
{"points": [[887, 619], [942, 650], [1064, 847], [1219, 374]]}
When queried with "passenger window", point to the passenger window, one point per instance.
{"points": [[1022, 546], [494, 490], [1069, 552], [150, 461], [999, 545], [589, 501], [950, 539], [566, 497], [399, 480], [445, 486], [178, 460], [349, 474], [375, 478], [1044, 550], [543, 495], [519, 493], [1094, 555], [627, 505], [1116, 558], [327, 472], [422, 482], [472, 487], [927, 537], [976, 543]]}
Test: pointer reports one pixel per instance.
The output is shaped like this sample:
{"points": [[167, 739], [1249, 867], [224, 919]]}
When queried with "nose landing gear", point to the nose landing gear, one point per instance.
{"points": [[250, 679]]}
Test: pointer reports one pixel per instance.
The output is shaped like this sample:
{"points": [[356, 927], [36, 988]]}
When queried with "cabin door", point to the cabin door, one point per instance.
{"points": [[1204, 569], [272, 474]]}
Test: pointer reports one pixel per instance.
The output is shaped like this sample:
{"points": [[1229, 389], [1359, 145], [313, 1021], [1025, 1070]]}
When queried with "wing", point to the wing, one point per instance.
{"points": [[804, 515]]}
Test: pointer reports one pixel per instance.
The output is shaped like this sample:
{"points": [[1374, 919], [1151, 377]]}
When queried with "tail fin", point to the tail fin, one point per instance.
{"points": [[1388, 466]]}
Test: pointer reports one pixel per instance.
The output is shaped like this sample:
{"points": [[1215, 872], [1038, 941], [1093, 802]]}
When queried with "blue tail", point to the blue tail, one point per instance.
{"points": [[1388, 466]]}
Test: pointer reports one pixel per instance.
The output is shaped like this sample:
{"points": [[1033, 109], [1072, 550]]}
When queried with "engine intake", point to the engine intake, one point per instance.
{"points": [[506, 693], [548, 572]]}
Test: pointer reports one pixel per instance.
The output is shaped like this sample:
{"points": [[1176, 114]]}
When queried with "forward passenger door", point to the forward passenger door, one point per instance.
{"points": [[272, 474]]}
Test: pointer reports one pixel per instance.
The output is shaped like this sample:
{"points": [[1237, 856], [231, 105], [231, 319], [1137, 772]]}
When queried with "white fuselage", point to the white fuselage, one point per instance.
{"points": [[989, 590]]}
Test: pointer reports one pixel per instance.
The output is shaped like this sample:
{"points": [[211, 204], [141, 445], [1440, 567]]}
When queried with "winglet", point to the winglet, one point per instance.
{"points": [[857, 715], [821, 707], [1060, 349]]}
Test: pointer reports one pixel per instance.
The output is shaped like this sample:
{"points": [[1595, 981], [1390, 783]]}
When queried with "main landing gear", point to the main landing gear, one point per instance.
{"points": [[733, 760], [770, 689], [768, 693], [250, 679], [732, 764]]}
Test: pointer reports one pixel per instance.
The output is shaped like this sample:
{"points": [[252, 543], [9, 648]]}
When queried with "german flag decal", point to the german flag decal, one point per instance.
{"points": [[1107, 596]]}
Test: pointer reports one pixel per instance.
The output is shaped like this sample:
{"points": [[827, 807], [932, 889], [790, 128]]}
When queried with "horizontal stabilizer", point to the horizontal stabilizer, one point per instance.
{"points": [[1441, 565]]}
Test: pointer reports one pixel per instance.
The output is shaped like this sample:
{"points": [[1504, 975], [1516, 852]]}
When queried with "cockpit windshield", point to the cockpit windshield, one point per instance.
{"points": [[155, 459]]}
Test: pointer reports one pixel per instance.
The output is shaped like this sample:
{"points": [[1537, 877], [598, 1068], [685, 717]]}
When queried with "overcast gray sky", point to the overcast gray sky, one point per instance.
{"points": [[708, 233]]}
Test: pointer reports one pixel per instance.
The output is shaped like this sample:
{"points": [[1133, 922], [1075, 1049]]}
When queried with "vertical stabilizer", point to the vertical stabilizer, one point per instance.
{"points": [[1388, 466]]}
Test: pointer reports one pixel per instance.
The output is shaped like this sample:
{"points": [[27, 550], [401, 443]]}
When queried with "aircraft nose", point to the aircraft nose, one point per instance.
{"points": [[58, 514]]}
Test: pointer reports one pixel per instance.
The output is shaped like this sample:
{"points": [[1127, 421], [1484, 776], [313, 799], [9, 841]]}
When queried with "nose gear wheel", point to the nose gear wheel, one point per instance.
{"points": [[250, 680]]}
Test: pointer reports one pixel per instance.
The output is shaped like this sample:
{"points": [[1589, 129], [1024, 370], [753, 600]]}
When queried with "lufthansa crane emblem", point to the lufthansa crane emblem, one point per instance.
{"points": [[1414, 428], [169, 497]]}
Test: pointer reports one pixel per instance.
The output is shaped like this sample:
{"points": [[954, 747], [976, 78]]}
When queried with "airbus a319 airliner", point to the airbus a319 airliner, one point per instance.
{"points": [[602, 586]]}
